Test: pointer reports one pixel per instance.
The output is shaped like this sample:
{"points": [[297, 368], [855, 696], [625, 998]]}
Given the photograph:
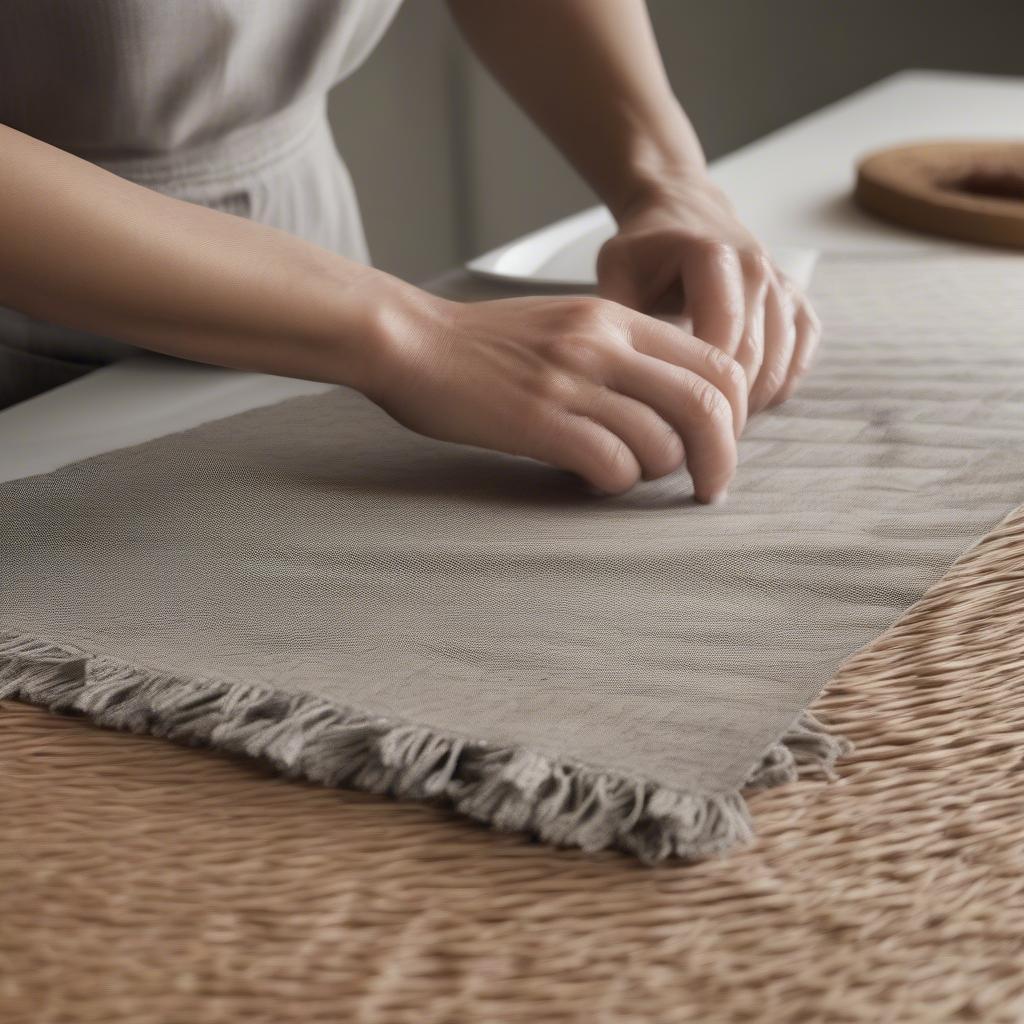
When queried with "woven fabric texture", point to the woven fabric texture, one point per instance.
{"points": [[145, 883], [312, 584]]}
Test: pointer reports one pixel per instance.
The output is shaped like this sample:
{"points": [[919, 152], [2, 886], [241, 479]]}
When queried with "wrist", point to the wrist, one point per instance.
{"points": [[671, 187], [656, 163], [387, 324]]}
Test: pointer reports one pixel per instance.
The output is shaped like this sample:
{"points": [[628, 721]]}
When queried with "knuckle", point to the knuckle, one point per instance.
{"points": [[555, 387], [757, 266], [582, 337], [771, 379], [712, 405], [788, 305], [803, 363], [731, 371], [667, 452], [717, 360], [716, 251], [619, 470], [719, 257], [737, 376], [581, 313], [751, 345]]}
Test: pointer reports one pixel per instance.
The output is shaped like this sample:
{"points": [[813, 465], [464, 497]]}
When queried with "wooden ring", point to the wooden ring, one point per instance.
{"points": [[968, 190]]}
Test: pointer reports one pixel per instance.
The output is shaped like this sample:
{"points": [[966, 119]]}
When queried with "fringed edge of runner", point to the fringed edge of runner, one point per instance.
{"points": [[509, 788]]}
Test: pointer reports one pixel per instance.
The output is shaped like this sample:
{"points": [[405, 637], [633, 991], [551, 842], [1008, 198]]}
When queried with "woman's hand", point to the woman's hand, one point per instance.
{"points": [[589, 73], [681, 249], [584, 384]]}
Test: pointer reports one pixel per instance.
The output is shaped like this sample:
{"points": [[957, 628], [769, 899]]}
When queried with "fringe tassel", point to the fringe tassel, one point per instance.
{"points": [[508, 788]]}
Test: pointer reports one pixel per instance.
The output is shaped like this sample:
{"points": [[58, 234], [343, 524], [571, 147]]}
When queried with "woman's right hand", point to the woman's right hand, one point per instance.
{"points": [[582, 383]]}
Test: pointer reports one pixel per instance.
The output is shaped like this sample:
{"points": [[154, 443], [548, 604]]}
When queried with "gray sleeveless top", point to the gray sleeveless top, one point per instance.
{"points": [[220, 102]]}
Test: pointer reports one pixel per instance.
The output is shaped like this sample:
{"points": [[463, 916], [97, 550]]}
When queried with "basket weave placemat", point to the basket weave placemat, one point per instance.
{"points": [[146, 883]]}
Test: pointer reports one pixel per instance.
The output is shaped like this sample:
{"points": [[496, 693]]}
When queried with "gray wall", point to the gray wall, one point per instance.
{"points": [[446, 167]]}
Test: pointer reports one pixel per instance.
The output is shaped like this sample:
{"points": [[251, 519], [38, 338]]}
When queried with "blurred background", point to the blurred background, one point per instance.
{"points": [[446, 167]]}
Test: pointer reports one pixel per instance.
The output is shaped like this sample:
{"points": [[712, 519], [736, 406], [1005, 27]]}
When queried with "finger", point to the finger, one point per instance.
{"points": [[633, 275], [582, 446], [808, 336], [681, 349], [750, 351], [654, 442], [680, 323], [715, 297], [779, 345], [698, 411]]}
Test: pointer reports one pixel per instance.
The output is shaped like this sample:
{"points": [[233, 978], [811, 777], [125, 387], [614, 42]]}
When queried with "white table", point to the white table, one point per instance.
{"points": [[791, 187]]}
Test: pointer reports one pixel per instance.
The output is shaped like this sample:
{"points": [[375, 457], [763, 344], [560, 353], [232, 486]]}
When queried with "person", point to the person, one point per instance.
{"points": [[168, 181]]}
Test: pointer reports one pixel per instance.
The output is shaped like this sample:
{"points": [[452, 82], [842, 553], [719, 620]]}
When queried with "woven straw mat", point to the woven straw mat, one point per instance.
{"points": [[145, 883]]}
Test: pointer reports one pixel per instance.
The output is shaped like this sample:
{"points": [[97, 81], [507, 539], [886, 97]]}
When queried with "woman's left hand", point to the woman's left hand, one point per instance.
{"points": [[681, 250]]}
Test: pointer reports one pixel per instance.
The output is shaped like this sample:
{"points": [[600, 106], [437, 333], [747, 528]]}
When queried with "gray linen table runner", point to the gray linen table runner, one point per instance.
{"points": [[311, 584]]}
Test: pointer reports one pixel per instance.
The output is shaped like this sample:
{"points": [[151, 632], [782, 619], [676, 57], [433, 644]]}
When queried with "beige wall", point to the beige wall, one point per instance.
{"points": [[446, 167]]}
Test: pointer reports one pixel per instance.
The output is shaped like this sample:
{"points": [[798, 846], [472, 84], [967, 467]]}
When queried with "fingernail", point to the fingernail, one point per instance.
{"points": [[718, 497]]}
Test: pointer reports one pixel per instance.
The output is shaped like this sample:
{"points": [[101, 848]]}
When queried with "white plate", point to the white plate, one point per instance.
{"points": [[565, 254]]}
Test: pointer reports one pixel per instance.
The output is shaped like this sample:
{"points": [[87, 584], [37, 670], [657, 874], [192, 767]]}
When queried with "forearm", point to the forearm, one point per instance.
{"points": [[86, 249], [590, 75], [588, 72]]}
